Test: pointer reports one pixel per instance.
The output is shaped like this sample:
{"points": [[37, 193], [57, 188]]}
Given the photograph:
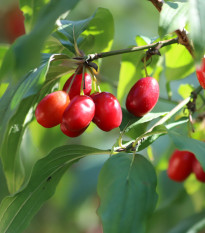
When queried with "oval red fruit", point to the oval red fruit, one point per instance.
{"points": [[108, 112], [14, 23], [79, 113], [69, 133], [201, 73], [143, 96], [198, 171], [180, 165], [76, 85], [50, 109]]}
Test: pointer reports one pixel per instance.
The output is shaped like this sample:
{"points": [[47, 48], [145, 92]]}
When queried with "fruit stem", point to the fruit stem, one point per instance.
{"points": [[95, 56], [82, 82], [145, 67]]}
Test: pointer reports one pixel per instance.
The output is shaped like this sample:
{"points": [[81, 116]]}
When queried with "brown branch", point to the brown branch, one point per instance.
{"points": [[182, 35]]}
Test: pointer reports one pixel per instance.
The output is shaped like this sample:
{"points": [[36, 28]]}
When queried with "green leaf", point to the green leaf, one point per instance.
{"points": [[16, 111], [16, 211], [184, 143], [31, 9], [173, 16], [127, 190], [130, 72], [148, 138], [179, 63], [197, 24], [24, 54], [188, 224], [135, 126], [92, 34]]}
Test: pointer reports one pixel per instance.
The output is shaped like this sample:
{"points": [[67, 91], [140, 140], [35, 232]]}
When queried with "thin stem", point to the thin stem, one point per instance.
{"points": [[96, 56]]}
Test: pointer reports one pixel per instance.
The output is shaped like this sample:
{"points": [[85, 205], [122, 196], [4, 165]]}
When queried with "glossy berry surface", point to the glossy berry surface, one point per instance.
{"points": [[108, 112], [50, 109], [143, 96], [69, 133], [79, 113], [201, 73], [180, 165], [198, 171], [76, 85]]}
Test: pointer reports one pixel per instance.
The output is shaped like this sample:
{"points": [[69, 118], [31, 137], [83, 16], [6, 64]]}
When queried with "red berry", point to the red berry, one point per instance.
{"points": [[180, 165], [108, 112], [69, 133], [201, 73], [79, 113], [143, 96], [50, 109], [14, 23], [76, 85], [198, 170]]}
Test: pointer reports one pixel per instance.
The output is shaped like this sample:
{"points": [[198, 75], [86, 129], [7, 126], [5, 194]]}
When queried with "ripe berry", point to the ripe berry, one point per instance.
{"points": [[76, 85], [180, 165], [14, 23], [201, 73], [79, 113], [143, 96], [69, 133], [108, 112], [198, 170], [50, 109]]}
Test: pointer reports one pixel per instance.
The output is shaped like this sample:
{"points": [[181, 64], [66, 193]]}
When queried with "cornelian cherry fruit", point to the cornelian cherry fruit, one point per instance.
{"points": [[108, 112], [198, 170], [76, 85], [69, 133], [200, 72], [180, 165], [79, 113], [50, 109], [14, 23], [143, 96]]}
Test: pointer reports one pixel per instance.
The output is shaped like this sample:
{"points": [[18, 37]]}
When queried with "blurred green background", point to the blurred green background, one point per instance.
{"points": [[73, 207]]}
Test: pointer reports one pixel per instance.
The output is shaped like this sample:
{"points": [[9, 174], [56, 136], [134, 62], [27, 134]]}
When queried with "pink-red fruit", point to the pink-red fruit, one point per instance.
{"points": [[143, 96], [201, 73], [180, 165], [50, 109], [76, 85], [69, 133], [198, 170], [108, 112], [79, 113]]}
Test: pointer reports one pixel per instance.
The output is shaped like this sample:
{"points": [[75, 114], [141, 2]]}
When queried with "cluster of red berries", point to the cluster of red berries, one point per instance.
{"points": [[200, 71], [182, 164], [74, 111]]}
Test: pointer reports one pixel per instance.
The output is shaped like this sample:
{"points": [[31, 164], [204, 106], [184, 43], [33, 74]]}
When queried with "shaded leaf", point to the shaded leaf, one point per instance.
{"points": [[188, 224], [127, 190], [197, 24], [16, 111], [16, 211]]}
